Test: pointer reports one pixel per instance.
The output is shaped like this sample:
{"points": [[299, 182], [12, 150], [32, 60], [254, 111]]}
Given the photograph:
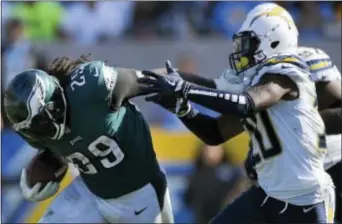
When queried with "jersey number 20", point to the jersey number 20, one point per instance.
{"points": [[260, 126], [105, 149]]}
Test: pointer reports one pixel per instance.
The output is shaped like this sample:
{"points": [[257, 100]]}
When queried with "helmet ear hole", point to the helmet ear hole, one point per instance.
{"points": [[274, 44]]}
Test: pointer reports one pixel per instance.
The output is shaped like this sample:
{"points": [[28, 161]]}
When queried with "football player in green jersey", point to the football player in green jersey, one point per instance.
{"points": [[79, 110]]}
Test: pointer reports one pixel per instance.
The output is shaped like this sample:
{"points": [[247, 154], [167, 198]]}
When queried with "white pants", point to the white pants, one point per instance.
{"points": [[76, 204]]}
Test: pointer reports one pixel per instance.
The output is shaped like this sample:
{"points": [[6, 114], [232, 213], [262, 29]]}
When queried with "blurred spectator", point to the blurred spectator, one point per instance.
{"points": [[332, 14], [18, 54], [147, 19], [199, 14], [6, 8], [16, 51], [310, 19], [229, 16], [187, 63], [90, 22], [213, 179], [338, 9], [41, 19]]}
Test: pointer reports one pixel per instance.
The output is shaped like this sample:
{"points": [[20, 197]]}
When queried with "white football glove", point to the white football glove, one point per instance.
{"points": [[36, 194]]}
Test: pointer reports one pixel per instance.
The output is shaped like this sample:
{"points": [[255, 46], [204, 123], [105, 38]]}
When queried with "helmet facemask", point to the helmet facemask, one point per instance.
{"points": [[245, 51], [56, 110]]}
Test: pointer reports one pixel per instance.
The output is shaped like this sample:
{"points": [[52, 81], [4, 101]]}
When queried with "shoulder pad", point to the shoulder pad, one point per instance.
{"points": [[286, 59], [289, 65], [321, 67], [310, 53]]}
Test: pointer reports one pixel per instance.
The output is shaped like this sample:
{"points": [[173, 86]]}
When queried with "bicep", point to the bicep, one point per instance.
{"points": [[126, 86], [271, 89], [328, 94]]}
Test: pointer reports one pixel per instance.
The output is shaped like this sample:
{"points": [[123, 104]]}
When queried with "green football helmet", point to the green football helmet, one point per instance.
{"points": [[35, 105]]}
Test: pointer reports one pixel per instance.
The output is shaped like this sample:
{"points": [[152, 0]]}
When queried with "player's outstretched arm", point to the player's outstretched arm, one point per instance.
{"points": [[270, 90]]}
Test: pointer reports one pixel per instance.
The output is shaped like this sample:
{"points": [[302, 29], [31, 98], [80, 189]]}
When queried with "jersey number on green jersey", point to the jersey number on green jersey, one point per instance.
{"points": [[80, 81], [105, 149]]}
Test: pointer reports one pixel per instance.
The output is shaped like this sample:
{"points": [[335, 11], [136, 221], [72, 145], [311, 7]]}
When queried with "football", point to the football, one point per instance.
{"points": [[45, 167]]}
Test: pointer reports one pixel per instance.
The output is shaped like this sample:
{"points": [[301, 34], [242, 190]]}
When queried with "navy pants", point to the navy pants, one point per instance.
{"points": [[253, 206]]}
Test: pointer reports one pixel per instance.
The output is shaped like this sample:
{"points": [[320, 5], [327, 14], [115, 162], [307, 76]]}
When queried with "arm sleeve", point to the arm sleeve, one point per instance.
{"points": [[228, 81], [223, 102]]}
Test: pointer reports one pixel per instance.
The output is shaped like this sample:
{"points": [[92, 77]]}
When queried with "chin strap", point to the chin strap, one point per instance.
{"points": [[60, 130]]}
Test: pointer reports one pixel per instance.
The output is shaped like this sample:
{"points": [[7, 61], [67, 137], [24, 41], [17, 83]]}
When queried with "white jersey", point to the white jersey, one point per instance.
{"points": [[323, 70], [288, 139]]}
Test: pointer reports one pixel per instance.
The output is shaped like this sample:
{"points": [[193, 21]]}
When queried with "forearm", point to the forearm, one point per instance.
{"points": [[204, 127], [333, 120], [199, 80], [240, 105]]}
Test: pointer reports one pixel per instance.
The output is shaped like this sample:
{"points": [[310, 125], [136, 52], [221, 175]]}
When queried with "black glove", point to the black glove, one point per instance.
{"points": [[170, 84], [249, 167]]}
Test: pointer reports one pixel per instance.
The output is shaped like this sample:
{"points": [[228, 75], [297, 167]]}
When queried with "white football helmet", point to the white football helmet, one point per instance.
{"points": [[268, 30]]}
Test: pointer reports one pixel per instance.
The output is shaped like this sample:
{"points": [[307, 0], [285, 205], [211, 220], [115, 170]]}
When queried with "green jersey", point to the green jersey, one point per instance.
{"points": [[112, 148]]}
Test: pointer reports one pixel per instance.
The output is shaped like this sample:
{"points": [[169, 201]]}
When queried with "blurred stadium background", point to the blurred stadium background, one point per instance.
{"points": [[195, 36]]}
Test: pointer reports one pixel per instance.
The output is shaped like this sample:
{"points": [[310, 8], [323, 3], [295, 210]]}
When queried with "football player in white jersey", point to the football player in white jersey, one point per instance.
{"points": [[328, 87], [278, 109]]}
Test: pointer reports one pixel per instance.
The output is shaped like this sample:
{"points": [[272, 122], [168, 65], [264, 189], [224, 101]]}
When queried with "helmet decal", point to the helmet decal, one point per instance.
{"points": [[34, 104], [276, 11]]}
